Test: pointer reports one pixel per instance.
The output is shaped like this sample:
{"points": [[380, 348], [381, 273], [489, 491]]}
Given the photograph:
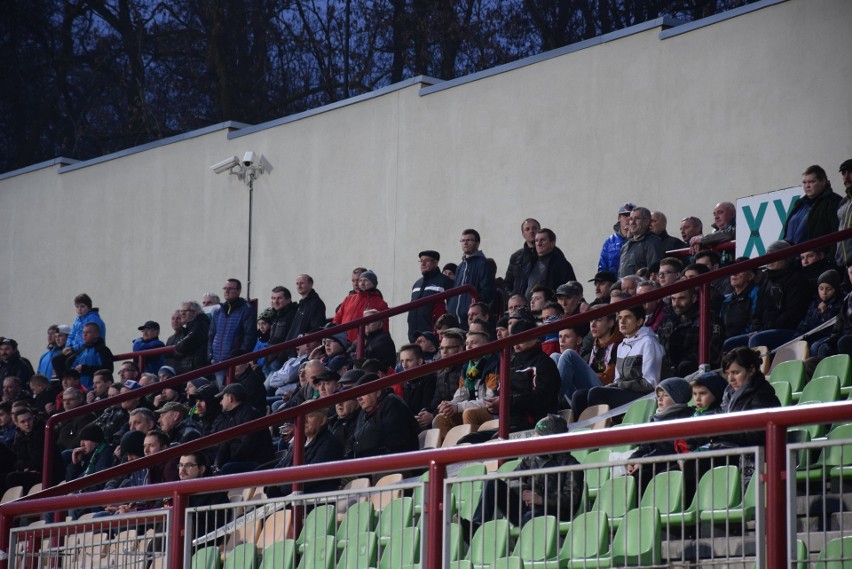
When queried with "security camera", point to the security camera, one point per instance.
{"points": [[225, 165], [248, 159]]}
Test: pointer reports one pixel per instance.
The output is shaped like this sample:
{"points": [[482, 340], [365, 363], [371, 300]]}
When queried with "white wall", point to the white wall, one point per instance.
{"points": [[730, 109]]}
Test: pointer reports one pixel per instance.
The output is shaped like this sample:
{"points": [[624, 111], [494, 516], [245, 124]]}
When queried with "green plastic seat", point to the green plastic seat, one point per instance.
{"points": [[820, 390], [511, 562], [467, 494], [783, 391], [243, 556], [640, 411], [509, 466], [839, 365], [360, 517], [738, 514], [833, 461], [837, 554], [206, 558], [616, 497], [399, 513], [792, 372], [419, 493], [403, 549], [718, 490], [489, 543], [665, 492], [638, 540], [584, 507], [537, 541], [595, 477], [587, 539], [320, 522], [320, 553], [359, 552], [279, 555]]}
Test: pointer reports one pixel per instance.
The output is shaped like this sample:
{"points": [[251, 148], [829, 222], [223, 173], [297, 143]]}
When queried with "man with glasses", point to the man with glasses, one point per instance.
{"points": [[550, 268], [446, 380], [670, 270], [642, 247], [233, 327], [432, 281], [473, 270]]}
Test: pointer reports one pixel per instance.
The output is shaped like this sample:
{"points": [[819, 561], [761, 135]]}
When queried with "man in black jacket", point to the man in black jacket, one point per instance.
{"points": [[310, 312], [432, 281], [283, 313], [385, 424], [11, 362], [521, 261], [245, 453], [550, 268], [191, 340]]}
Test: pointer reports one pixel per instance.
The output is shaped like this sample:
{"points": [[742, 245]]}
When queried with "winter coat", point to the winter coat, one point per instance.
{"points": [[279, 328], [639, 252], [821, 218], [518, 271], [45, 362], [551, 270], [756, 394], [639, 362], [418, 393], [738, 311], [232, 327], [561, 491], [251, 447], [75, 338], [325, 447], [389, 429], [611, 251], [310, 314], [92, 358], [814, 318], [473, 271], [423, 319], [152, 364], [354, 305], [679, 336], [379, 346], [782, 301], [191, 345], [17, 366], [535, 384]]}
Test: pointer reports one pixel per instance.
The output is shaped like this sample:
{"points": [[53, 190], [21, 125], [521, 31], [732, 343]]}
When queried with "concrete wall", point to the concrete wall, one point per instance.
{"points": [[674, 119]]}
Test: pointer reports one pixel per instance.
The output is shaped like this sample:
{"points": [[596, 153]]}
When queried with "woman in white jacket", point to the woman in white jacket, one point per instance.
{"points": [[638, 365]]}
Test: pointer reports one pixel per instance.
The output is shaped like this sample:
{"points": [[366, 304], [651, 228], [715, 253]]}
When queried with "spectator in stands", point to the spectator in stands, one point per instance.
{"points": [[679, 335], [574, 372], [335, 355], [264, 323], [320, 446], [385, 424], [11, 361], [90, 357], [473, 270], [822, 309], [516, 302], [630, 284], [70, 429], [417, 393], [611, 250], [175, 323], [283, 382], [446, 380], [283, 314], [673, 395], [342, 423], [173, 420], [844, 215], [707, 392], [45, 363], [712, 260], [7, 425], [248, 451], [210, 304], [446, 322], [429, 343], [738, 308], [208, 409], [540, 295], [431, 282], [192, 466], [670, 270], [603, 285], [367, 297], [327, 383], [642, 248], [251, 378], [602, 357], [378, 344], [557, 493], [690, 227], [43, 394], [29, 452], [13, 390], [570, 297], [478, 386], [150, 339], [658, 228], [815, 213], [191, 340], [92, 455], [310, 312], [128, 370], [101, 382], [637, 369], [449, 271], [814, 264], [522, 260], [551, 268], [654, 309], [153, 442], [724, 228], [85, 314], [233, 327], [781, 304]]}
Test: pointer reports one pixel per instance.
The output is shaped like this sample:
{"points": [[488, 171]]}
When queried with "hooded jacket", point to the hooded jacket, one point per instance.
{"points": [[535, 384], [639, 362], [354, 305], [473, 271], [75, 338], [611, 251]]}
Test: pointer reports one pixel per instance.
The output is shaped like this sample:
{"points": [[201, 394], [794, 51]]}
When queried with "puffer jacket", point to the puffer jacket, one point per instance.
{"points": [[75, 338], [611, 251], [233, 327], [639, 362], [354, 305]]}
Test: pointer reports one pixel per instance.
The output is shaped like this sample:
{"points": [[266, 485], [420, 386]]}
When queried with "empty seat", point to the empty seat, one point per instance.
{"points": [[792, 372], [616, 497], [594, 411], [537, 541], [797, 350], [454, 434], [640, 411]]}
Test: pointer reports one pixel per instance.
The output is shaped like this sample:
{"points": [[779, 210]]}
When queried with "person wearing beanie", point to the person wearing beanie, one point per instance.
{"points": [[367, 297], [707, 391], [557, 493], [782, 302], [822, 309], [264, 326], [673, 395], [534, 382], [432, 281], [93, 455]]}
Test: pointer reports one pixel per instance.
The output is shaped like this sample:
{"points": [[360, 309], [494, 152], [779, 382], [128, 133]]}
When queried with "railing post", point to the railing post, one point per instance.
{"points": [[298, 443], [359, 347], [435, 517], [505, 391], [704, 324], [229, 377], [47, 459], [776, 495], [5, 528], [176, 537]]}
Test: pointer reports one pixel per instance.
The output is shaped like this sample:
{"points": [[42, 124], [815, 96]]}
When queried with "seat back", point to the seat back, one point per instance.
{"points": [[665, 492], [638, 540], [359, 552], [279, 555], [616, 496], [490, 542], [719, 489], [839, 365], [640, 411], [276, 527], [588, 537], [319, 553], [537, 541], [399, 513], [359, 518], [595, 477], [838, 553], [824, 389], [792, 372], [797, 350], [454, 434], [319, 524], [403, 549], [243, 556], [383, 498], [783, 391], [593, 411], [839, 455], [467, 494]]}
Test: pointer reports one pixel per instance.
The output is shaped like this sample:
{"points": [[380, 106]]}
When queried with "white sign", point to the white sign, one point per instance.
{"points": [[761, 218]]}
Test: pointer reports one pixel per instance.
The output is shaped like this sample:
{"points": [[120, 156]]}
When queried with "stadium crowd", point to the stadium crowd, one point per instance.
{"points": [[613, 360]]}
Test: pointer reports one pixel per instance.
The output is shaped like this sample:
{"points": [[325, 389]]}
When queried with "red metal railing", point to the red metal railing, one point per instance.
{"points": [[53, 420], [139, 358]]}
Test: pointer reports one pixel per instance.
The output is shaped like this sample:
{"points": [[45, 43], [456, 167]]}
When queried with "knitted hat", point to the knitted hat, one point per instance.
{"points": [[777, 246], [551, 424], [133, 443], [830, 277], [677, 388], [370, 276], [714, 383], [430, 337], [168, 371], [92, 432]]}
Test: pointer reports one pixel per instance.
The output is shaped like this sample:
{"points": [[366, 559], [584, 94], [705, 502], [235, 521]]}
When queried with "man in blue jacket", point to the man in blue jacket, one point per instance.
{"points": [[473, 270], [232, 327]]}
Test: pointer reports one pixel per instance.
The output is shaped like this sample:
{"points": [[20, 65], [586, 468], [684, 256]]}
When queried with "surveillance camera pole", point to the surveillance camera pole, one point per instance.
{"points": [[250, 181]]}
